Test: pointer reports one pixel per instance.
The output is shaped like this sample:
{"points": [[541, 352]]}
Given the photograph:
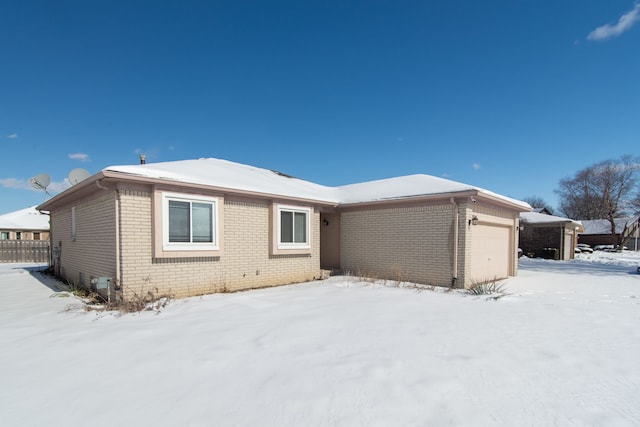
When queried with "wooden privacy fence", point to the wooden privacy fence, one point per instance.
{"points": [[24, 251]]}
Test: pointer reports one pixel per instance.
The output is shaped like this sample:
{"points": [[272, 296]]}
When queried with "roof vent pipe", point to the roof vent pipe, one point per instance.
{"points": [[143, 159]]}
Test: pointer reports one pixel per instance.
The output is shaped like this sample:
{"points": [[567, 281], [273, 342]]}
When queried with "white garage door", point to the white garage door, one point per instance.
{"points": [[491, 253]]}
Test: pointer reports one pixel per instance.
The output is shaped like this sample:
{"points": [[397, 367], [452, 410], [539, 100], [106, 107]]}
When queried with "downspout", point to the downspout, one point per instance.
{"points": [[456, 222], [117, 213]]}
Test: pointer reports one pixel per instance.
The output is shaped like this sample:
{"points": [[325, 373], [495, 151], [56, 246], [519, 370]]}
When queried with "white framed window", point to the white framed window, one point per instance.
{"points": [[4, 235], [189, 222], [294, 227]]}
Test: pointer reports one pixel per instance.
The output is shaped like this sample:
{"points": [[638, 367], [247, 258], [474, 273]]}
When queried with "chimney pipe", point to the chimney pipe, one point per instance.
{"points": [[143, 159]]}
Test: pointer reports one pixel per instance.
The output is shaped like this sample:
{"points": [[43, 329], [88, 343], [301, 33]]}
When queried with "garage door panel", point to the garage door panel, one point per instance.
{"points": [[490, 255]]}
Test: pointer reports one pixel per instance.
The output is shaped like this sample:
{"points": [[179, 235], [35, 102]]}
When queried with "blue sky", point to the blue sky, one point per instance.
{"points": [[506, 95]]}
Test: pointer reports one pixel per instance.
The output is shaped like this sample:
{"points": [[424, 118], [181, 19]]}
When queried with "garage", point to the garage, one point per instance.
{"points": [[491, 252]]}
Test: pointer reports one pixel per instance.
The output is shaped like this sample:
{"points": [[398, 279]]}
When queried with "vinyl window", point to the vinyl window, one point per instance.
{"points": [[189, 222], [293, 228]]}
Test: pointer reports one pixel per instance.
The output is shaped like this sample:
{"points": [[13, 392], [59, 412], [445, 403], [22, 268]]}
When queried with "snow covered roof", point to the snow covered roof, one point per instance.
{"points": [[542, 210], [536, 218], [226, 174], [399, 187], [603, 226], [24, 219], [237, 176], [410, 186]]}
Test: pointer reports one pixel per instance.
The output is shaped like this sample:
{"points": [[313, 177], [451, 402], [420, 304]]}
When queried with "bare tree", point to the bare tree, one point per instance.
{"points": [[634, 204], [538, 202], [600, 191]]}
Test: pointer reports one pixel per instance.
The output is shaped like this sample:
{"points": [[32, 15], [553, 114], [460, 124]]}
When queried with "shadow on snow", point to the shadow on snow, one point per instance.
{"points": [[576, 267]]}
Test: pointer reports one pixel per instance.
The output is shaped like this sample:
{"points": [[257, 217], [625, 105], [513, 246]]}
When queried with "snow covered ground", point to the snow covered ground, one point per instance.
{"points": [[562, 349]]}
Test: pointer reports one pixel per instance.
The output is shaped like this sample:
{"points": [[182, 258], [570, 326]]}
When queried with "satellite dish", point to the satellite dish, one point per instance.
{"points": [[77, 175], [40, 182]]}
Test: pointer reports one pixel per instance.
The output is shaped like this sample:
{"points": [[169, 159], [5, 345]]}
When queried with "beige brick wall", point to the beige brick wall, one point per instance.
{"points": [[245, 263], [416, 243], [412, 243], [93, 253]]}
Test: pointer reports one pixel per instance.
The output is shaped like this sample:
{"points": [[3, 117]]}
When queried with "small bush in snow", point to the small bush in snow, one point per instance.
{"points": [[487, 287], [86, 295], [151, 301]]}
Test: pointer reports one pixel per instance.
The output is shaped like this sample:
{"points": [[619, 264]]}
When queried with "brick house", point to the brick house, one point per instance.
{"points": [[24, 224], [597, 232], [208, 225], [548, 236]]}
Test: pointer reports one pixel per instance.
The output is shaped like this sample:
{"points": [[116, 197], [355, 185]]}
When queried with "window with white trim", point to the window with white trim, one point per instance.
{"points": [[189, 223], [4, 235], [293, 227]]}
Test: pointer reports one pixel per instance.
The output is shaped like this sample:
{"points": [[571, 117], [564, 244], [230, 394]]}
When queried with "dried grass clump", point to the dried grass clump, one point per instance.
{"points": [[492, 288]]}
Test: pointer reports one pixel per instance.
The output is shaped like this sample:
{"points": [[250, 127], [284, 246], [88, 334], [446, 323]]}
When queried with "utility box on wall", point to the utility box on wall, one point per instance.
{"points": [[104, 287]]}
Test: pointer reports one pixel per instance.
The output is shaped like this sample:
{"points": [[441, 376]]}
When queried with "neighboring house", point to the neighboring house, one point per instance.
{"points": [[598, 232], [202, 226], [548, 236], [24, 224], [542, 211]]}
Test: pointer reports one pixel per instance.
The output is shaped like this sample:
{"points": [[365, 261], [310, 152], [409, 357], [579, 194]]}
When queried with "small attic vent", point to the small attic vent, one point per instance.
{"points": [[283, 174]]}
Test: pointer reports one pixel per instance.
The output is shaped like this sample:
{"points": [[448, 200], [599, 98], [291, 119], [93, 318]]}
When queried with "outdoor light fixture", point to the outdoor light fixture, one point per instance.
{"points": [[474, 220], [325, 222]]}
